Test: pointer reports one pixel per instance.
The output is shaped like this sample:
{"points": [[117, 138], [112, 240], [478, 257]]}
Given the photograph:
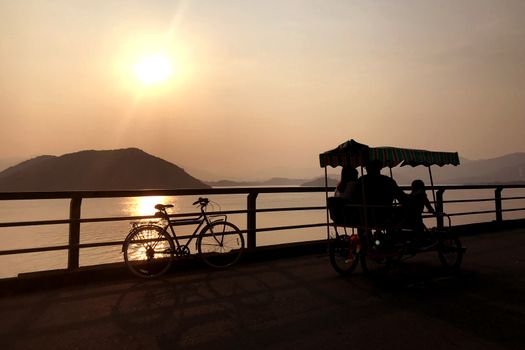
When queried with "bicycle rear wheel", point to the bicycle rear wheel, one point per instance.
{"points": [[374, 257], [148, 251], [220, 244], [450, 252]]}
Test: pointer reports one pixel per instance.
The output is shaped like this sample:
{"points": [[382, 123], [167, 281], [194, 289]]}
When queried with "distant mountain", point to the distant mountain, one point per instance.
{"points": [[275, 181], [123, 169], [506, 169], [319, 182], [6, 162], [509, 168]]}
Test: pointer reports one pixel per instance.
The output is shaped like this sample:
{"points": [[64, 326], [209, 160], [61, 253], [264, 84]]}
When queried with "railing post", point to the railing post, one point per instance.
{"points": [[74, 233], [497, 195], [251, 224], [439, 207]]}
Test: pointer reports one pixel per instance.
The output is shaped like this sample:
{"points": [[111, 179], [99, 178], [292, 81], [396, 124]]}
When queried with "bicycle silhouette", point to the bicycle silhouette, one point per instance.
{"points": [[149, 248]]}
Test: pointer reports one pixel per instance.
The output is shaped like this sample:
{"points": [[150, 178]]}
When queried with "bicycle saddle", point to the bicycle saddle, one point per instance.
{"points": [[163, 206]]}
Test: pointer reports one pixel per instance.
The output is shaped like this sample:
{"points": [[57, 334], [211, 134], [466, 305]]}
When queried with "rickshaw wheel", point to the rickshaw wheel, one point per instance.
{"points": [[344, 251], [370, 263], [450, 252], [374, 258]]}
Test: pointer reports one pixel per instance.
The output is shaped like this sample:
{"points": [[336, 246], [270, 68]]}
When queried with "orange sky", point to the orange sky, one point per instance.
{"points": [[260, 88]]}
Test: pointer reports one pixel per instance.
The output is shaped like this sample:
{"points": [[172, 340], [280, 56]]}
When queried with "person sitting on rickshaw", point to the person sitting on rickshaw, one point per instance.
{"points": [[340, 213], [414, 204], [377, 193], [347, 183]]}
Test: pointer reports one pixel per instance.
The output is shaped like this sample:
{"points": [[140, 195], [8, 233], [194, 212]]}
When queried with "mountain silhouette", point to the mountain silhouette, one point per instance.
{"points": [[122, 169], [275, 181], [509, 168]]}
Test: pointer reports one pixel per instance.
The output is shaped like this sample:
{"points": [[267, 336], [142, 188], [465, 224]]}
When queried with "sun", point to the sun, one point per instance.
{"points": [[153, 69]]}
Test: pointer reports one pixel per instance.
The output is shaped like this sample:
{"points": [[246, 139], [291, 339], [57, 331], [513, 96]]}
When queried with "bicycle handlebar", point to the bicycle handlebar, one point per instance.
{"points": [[202, 201]]}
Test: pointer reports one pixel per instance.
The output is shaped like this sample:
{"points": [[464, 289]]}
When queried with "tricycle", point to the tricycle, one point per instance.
{"points": [[356, 234]]}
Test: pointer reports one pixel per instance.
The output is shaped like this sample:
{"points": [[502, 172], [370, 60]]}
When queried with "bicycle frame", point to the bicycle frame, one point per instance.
{"points": [[201, 221]]}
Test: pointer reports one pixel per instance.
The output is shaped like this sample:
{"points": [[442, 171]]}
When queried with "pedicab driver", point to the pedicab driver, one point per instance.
{"points": [[379, 192]]}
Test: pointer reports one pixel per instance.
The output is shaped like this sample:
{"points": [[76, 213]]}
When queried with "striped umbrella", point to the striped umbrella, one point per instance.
{"points": [[352, 153]]}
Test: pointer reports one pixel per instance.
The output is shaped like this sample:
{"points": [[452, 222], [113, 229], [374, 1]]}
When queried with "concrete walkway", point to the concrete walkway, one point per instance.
{"points": [[296, 303]]}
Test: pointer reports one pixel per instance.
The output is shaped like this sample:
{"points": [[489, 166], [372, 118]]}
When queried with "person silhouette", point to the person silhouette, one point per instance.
{"points": [[346, 185], [376, 192], [414, 204]]}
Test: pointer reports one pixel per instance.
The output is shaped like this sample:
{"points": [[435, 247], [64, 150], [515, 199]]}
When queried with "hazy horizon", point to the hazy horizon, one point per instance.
{"points": [[241, 89]]}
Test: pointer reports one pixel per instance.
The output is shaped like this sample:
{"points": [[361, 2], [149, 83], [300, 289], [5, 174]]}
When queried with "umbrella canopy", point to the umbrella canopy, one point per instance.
{"points": [[354, 154]]}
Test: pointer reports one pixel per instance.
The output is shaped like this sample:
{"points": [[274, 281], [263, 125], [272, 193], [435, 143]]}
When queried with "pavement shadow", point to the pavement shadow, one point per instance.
{"points": [[190, 310], [486, 305]]}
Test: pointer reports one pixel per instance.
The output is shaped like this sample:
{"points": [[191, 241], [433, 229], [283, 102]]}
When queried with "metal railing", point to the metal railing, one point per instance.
{"points": [[75, 220], [497, 200]]}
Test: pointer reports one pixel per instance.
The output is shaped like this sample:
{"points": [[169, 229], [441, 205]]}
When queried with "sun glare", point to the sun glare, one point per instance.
{"points": [[146, 205], [153, 69]]}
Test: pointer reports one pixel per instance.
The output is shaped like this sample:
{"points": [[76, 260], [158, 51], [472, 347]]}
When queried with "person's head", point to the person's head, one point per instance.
{"points": [[374, 167], [348, 174], [418, 185]]}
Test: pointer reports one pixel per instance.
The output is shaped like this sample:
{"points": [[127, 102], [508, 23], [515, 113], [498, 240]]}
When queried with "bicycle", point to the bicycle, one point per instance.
{"points": [[149, 249]]}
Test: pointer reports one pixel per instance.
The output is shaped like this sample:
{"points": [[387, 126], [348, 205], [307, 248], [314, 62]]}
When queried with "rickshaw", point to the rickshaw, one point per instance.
{"points": [[354, 235]]}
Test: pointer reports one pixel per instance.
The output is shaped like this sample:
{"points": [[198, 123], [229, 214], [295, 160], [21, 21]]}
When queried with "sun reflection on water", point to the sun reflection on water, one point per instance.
{"points": [[142, 206]]}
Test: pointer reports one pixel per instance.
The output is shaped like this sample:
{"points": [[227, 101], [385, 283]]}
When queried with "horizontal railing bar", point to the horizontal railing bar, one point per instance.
{"points": [[210, 191], [479, 200], [511, 198], [113, 243], [473, 187], [54, 248], [34, 223], [33, 250], [106, 219], [82, 245], [513, 209], [472, 213], [280, 228], [269, 210], [483, 212], [161, 192], [468, 200], [145, 217]]}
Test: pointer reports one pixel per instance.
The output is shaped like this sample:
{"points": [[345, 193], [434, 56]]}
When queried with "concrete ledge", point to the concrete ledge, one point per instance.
{"points": [[488, 227]]}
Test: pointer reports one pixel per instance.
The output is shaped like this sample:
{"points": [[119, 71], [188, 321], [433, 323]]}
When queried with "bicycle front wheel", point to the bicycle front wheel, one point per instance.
{"points": [[148, 251], [220, 244]]}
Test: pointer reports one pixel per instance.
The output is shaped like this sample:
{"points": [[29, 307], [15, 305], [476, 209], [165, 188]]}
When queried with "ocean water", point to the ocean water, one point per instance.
{"points": [[51, 235]]}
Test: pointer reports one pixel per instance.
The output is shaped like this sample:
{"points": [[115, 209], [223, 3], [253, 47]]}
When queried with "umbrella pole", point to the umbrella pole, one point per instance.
{"points": [[326, 203], [432, 184], [363, 202]]}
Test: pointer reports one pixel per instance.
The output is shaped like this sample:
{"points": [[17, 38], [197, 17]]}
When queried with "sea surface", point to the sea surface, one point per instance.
{"points": [[51, 235]]}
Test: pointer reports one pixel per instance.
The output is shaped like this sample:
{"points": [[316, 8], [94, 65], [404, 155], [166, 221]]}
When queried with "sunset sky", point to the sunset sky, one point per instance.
{"points": [[238, 88]]}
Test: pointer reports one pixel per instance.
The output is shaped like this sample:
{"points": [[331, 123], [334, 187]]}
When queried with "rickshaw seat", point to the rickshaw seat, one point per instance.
{"points": [[348, 215]]}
